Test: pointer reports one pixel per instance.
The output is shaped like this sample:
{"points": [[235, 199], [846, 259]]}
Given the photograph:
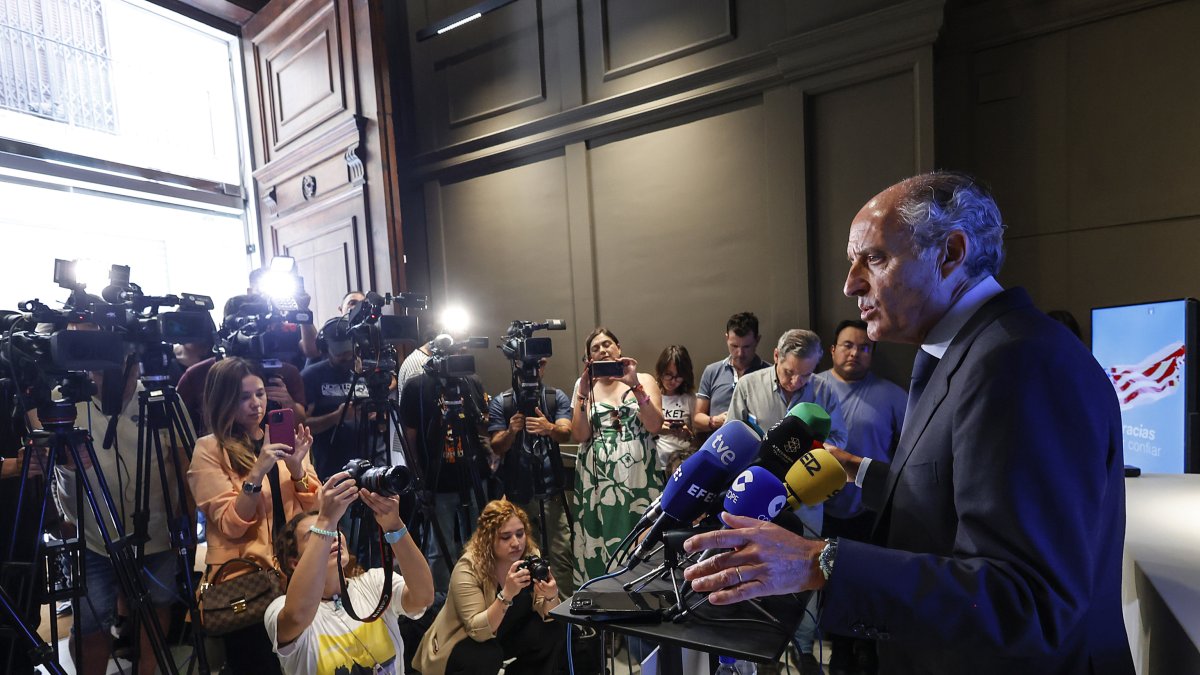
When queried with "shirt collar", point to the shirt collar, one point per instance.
{"points": [[944, 331]]}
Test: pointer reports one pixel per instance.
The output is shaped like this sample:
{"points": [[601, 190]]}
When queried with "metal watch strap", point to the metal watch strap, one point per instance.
{"points": [[500, 596], [828, 556]]}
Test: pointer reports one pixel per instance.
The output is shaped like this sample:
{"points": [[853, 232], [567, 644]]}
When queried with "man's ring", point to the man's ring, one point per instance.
{"points": [[739, 573]]}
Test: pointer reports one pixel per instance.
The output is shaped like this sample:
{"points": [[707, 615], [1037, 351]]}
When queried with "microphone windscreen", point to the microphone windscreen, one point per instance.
{"points": [[814, 416], [694, 485], [735, 444], [815, 477], [785, 444], [756, 493]]}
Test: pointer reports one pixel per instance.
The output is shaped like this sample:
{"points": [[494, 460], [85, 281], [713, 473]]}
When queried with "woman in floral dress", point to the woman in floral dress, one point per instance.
{"points": [[614, 421]]}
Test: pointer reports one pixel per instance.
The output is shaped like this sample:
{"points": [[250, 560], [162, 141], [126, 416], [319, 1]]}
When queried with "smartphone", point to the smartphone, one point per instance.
{"points": [[614, 369], [282, 425], [619, 606], [675, 424]]}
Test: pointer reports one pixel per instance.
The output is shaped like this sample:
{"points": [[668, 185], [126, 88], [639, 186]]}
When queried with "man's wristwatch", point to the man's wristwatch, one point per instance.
{"points": [[250, 488], [828, 556], [504, 601]]}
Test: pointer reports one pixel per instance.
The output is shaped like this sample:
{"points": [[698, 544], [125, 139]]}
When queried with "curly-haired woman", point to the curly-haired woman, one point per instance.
{"points": [[495, 609]]}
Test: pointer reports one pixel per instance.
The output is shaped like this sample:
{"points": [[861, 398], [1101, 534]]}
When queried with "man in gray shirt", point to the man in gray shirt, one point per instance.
{"points": [[873, 409]]}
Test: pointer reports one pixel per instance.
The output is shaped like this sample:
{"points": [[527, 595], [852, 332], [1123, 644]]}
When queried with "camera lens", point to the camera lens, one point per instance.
{"points": [[388, 481]]}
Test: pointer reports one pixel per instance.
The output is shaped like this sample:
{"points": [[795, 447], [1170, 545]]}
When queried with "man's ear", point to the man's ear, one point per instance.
{"points": [[953, 255]]}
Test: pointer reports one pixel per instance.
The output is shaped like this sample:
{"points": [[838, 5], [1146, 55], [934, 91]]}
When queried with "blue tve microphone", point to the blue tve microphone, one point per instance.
{"points": [[688, 494], [735, 444]]}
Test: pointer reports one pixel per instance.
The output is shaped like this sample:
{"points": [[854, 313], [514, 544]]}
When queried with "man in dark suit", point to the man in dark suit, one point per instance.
{"points": [[997, 547]]}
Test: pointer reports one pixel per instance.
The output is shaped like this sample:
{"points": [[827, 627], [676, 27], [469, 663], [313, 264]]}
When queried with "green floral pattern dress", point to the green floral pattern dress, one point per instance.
{"points": [[615, 480]]}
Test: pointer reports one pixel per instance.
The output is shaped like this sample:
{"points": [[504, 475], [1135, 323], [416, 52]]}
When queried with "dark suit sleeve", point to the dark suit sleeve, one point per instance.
{"points": [[1031, 474]]}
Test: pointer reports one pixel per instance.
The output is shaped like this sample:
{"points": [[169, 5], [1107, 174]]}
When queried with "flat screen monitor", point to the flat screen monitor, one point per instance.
{"points": [[1146, 350]]}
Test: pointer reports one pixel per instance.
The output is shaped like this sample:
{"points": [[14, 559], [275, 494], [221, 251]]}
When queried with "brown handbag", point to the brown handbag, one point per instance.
{"points": [[240, 602], [227, 605]]}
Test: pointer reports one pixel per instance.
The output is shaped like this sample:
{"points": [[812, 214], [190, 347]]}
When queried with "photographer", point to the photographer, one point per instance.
{"points": [[500, 601], [523, 480], [327, 389], [309, 626], [117, 465], [18, 572], [284, 388]]}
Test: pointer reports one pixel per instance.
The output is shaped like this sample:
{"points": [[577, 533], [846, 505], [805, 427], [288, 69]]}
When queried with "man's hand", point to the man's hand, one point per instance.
{"points": [[277, 392], [766, 560], [539, 426], [716, 421], [516, 423], [849, 462]]}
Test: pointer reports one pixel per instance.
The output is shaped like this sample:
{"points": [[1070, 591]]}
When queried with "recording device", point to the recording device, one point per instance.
{"points": [[526, 353], [369, 326], [388, 481], [620, 605], [281, 424], [444, 361], [613, 369], [539, 569]]}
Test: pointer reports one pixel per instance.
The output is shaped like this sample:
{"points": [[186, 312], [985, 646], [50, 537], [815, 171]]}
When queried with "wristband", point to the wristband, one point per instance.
{"points": [[323, 532], [395, 536], [639, 393]]}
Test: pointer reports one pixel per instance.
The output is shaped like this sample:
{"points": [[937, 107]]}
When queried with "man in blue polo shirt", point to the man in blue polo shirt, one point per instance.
{"points": [[873, 409], [720, 378]]}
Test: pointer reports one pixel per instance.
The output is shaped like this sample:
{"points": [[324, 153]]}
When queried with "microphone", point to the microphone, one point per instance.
{"points": [[734, 445], [804, 427], [756, 493], [815, 477], [693, 487]]}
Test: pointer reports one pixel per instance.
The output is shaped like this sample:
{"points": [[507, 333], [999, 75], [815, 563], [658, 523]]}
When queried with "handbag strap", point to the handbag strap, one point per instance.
{"points": [[276, 503]]}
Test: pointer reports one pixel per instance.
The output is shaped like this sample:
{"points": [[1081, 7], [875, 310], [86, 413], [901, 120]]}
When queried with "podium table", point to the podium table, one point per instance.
{"points": [[739, 630]]}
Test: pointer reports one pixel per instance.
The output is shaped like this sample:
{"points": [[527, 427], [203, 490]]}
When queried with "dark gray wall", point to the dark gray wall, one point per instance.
{"points": [[656, 167]]}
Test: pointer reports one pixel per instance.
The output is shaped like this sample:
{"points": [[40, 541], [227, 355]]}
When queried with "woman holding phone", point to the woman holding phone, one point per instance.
{"points": [[230, 477], [613, 414]]}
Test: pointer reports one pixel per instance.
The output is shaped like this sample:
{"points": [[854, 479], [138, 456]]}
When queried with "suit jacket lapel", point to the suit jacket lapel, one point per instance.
{"points": [[939, 382]]}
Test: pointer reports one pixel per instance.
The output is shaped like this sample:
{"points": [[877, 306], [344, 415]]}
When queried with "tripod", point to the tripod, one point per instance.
{"points": [[160, 410], [458, 450], [62, 439]]}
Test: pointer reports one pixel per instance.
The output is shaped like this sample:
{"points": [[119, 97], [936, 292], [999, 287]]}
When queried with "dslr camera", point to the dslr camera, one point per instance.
{"points": [[388, 481], [539, 569]]}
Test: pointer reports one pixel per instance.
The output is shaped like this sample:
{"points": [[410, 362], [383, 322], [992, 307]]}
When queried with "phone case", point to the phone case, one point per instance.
{"points": [[282, 424]]}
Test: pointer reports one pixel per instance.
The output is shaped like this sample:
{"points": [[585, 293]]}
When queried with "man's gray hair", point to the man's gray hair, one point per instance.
{"points": [[936, 204], [803, 343]]}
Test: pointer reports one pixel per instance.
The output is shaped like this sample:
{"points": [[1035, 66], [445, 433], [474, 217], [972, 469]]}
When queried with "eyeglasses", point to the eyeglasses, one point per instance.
{"points": [[850, 346], [669, 376]]}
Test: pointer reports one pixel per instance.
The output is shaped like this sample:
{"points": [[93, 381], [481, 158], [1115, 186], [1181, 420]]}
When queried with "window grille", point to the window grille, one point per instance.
{"points": [[55, 62]]}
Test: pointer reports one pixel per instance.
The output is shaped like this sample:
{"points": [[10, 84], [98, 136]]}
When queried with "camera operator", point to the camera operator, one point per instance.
{"points": [[349, 302], [117, 465], [326, 386], [508, 428], [424, 431], [305, 334], [285, 389]]}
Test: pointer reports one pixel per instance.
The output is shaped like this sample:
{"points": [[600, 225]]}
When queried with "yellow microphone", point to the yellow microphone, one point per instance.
{"points": [[815, 477]]}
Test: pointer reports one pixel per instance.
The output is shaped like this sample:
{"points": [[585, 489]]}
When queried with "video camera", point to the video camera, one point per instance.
{"points": [[446, 362], [253, 327], [526, 354], [129, 321]]}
